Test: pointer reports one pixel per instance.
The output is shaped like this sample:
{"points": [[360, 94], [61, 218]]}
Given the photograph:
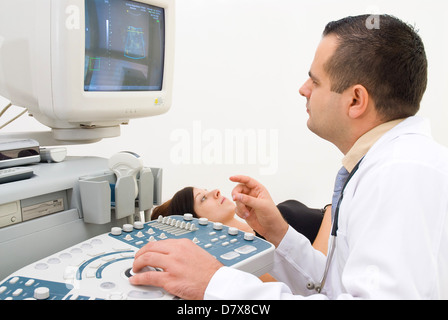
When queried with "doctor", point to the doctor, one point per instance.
{"points": [[391, 225]]}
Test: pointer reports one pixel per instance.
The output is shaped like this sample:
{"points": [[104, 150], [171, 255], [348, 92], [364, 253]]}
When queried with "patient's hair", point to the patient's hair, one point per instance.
{"points": [[182, 202], [389, 61]]}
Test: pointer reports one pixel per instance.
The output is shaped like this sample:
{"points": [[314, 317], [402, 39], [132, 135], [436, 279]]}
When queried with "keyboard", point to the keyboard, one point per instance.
{"points": [[99, 268]]}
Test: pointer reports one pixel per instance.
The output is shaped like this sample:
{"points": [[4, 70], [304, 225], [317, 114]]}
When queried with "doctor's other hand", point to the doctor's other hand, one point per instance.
{"points": [[255, 205], [187, 268]]}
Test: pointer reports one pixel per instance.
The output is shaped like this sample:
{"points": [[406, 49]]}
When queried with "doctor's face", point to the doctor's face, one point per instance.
{"points": [[323, 106]]}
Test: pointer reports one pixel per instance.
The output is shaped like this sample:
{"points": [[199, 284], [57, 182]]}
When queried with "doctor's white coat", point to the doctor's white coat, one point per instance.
{"points": [[392, 240]]}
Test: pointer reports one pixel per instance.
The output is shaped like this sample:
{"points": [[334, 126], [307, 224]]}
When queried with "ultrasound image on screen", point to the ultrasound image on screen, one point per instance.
{"points": [[125, 46]]}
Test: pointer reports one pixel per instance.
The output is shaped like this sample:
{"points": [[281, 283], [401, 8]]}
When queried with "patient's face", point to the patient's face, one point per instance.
{"points": [[213, 205]]}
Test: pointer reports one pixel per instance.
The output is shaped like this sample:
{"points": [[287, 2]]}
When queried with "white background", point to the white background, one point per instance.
{"points": [[239, 66]]}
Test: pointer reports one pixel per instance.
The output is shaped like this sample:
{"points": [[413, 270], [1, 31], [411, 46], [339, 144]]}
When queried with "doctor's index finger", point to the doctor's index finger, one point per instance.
{"points": [[245, 180], [240, 179]]}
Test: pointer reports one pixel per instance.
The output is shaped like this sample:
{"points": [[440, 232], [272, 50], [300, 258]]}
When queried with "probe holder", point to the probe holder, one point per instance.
{"points": [[103, 192]]}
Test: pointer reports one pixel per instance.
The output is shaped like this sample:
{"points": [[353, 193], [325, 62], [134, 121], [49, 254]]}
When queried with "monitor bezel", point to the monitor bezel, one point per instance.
{"points": [[71, 105]]}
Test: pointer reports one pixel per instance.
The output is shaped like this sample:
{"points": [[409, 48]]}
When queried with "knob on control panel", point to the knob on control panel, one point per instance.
{"points": [[116, 231], [217, 226], [128, 227], [138, 225], [41, 293], [249, 236]]}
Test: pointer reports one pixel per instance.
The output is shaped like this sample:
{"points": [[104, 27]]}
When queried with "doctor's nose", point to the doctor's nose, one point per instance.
{"points": [[305, 90]]}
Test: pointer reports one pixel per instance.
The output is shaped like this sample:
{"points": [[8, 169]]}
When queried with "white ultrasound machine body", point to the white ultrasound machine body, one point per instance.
{"points": [[71, 226]]}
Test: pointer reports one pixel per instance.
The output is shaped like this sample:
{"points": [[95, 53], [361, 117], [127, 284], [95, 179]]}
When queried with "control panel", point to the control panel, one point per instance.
{"points": [[99, 268]]}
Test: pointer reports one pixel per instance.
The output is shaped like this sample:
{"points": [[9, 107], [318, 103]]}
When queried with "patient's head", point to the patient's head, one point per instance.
{"points": [[199, 202]]}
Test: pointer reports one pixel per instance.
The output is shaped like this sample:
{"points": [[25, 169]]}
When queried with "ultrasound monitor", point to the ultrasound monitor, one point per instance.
{"points": [[124, 52], [84, 67]]}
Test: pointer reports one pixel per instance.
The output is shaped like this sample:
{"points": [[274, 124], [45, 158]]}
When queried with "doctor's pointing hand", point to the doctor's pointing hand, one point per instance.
{"points": [[254, 204]]}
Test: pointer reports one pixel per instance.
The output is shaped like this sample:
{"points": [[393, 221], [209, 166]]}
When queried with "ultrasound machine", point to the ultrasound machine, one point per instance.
{"points": [[70, 226]]}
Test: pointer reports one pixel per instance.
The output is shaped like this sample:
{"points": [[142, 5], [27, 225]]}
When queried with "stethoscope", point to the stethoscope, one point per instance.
{"points": [[334, 232]]}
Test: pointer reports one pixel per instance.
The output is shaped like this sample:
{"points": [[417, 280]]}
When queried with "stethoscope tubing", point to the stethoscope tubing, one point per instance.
{"points": [[334, 233]]}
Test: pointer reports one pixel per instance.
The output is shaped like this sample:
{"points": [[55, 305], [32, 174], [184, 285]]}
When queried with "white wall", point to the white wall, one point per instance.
{"points": [[239, 65]]}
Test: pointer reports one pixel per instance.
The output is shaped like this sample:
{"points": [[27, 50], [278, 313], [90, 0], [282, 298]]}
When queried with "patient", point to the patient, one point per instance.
{"points": [[312, 223]]}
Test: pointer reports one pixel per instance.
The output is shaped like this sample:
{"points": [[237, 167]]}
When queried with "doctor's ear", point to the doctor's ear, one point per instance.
{"points": [[359, 100]]}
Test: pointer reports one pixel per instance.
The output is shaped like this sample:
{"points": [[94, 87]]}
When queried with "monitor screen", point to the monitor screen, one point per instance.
{"points": [[125, 46]]}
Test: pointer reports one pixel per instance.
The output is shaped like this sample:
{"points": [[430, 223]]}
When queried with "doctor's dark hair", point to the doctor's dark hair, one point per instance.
{"points": [[388, 59], [182, 202]]}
